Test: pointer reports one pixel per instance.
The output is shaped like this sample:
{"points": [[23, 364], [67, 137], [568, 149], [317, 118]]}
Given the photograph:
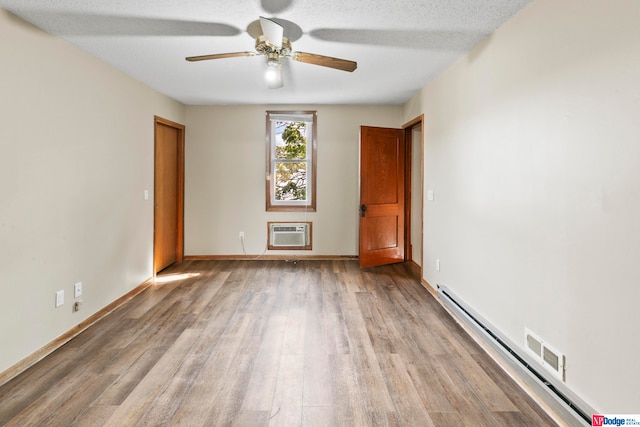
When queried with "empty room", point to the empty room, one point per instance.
{"points": [[320, 213]]}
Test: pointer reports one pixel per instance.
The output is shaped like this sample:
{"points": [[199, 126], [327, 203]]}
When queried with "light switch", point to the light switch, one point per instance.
{"points": [[59, 298], [430, 195]]}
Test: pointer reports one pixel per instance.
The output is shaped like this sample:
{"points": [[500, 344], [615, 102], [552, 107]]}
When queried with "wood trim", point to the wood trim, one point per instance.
{"points": [[311, 207], [413, 123], [167, 122], [413, 265], [433, 291], [267, 166], [40, 354], [408, 167], [270, 257], [423, 188], [181, 140], [408, 131]]}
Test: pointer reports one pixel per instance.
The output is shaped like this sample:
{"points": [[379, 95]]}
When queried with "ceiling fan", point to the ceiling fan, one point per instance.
{"points": [[274, 45]]}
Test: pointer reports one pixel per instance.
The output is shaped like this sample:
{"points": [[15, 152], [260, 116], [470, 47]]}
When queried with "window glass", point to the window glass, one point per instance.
{"points": [[291, 161]]}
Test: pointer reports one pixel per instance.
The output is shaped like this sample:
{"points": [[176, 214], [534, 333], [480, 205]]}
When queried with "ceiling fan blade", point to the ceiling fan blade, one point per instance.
{"points": [[325, 61], [291, 30], [219, 56], [272, 31]]}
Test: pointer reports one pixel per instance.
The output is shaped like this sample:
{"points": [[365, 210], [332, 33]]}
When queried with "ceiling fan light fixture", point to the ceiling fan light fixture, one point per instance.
{"points": [[273, 71], [273, 77], [273, 60]]}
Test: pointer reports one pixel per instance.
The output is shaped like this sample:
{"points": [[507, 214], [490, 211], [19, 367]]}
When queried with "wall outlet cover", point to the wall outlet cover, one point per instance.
{"points": [[59, 298], [77, 290]]}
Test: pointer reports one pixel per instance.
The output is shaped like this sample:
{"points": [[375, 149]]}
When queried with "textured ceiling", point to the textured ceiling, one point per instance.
{"points": [[399, 45]]}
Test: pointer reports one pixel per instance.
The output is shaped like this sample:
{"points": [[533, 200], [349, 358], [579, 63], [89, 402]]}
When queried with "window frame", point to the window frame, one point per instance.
{"points": [[309, 205]]}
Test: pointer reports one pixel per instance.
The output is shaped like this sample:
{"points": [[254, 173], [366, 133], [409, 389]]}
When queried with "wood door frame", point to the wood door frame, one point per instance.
{"points": [[180, 187], [408, 143]]}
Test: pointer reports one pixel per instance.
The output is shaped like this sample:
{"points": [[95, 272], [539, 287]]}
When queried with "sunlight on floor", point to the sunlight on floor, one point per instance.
{"points": [[174, 277]]}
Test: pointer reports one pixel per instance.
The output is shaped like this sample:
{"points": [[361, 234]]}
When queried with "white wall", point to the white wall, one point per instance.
{"points": [[225, 178], [77, 154], [532, 149]]}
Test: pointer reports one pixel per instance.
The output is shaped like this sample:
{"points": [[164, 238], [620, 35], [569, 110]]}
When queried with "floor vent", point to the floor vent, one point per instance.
{"points": [[289, 235], [563, 401]]}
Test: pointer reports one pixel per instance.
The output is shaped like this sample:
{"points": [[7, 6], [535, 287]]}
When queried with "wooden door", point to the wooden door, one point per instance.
{"points": [[168, 193], [382, 210]]}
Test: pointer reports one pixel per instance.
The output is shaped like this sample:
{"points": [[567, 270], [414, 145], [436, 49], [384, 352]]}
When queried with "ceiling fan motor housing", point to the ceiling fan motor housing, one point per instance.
{"points": [[266, 48]]}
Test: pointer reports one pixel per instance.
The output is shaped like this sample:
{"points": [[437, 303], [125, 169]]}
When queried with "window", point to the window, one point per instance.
{"points": [[291, 160]]}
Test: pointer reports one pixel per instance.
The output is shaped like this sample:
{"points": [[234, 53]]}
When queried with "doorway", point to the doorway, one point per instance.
{"points": [[414, 140], [391, 176], [168, 236]]}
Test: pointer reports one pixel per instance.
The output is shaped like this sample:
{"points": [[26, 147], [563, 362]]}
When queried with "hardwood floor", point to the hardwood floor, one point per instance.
{"points": [[272, 343]]}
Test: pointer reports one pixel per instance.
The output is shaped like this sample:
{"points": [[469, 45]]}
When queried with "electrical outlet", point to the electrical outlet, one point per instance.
{"points": [[77, 290], [437, 265], [77, 305], [59, 298], [242, 235]]}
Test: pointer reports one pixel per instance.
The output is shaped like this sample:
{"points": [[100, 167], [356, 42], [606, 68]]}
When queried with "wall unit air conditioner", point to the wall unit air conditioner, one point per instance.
{"points": [[289, 235]]}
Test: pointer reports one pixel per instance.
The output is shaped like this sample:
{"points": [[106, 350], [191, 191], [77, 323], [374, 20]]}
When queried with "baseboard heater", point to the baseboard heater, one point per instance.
{"points": [[557, 396]]}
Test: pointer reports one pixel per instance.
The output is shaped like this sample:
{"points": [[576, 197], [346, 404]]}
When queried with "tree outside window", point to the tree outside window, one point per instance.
{"points": [[291, 161]]}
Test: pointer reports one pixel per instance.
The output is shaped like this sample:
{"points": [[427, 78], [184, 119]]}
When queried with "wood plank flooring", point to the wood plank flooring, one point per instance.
{"points": [[272, 343]]}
